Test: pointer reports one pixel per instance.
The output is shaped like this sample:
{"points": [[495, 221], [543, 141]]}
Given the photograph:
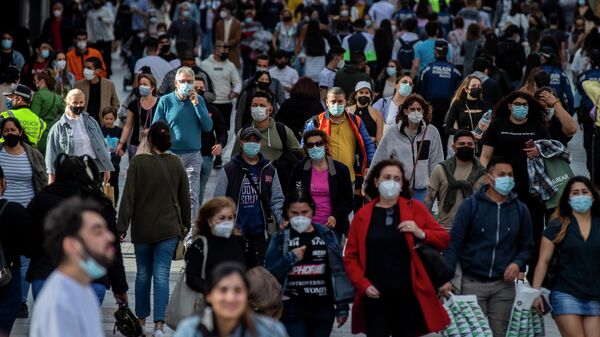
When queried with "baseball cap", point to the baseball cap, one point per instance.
{"points": [[362, 85], [441, 45], [547, 51], [247, 132], [20, 90]]}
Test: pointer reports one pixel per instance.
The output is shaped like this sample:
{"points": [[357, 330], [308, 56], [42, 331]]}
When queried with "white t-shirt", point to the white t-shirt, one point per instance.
{"points": [[66, 308], [381, 10], [288, 76], [326, 78], [82, 143], [158, 66], [392, 112]]}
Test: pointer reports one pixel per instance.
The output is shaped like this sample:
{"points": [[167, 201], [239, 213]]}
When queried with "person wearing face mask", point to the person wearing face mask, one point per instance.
{"points": [[82, 246], [353, 72], [46, 103], [403, 87], [334, 62], [328, 182], [65, 80], [57, 29], [214, 226], [414, 142], [315, 299], [253, 183], [164, 50], [249, 27], [263, 63], [386, 81], [359, 104], [17, 104], [492, 239], [348, 137], [286, 75], [455, 179], [38, 63], [284, 37], [77, 56], [158, 66], [9, 56], [77, 133], [99, 24], [569, 237], [261, 83], [100, 92], [185, 28], [156, 225], [394, 294], [228, 29], [561, 125]]}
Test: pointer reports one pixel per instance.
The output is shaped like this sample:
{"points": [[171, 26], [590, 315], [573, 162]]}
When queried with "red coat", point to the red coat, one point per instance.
{"points": [[355, 261]]}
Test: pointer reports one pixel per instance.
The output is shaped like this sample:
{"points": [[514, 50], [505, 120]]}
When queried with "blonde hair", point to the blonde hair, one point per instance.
{"points": [[73, 93], [461, 92]]}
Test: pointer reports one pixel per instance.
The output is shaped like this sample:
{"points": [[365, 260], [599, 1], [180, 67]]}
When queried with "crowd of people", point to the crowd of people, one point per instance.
{"points": [[359, 131]]}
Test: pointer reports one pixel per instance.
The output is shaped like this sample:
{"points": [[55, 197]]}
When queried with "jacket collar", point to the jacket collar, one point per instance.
{"points": [[330, 165], [64, 120]]}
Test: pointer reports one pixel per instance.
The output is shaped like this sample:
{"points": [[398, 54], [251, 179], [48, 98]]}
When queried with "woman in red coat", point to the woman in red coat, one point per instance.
{"points": [[394, 295]]}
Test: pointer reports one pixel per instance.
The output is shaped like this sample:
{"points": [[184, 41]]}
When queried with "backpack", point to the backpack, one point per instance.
{"points": [[406, 54], [5, 273]]}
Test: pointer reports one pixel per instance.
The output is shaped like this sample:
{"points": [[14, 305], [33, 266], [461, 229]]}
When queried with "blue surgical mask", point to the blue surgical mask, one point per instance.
{"points": [[504, 185], [144, 90], [520, 112], [317, 152], [390, 71], [549, 113], [405, 89], [184, 89], [44, 53], [8, 103], [368, 23], [581, 2], [581, 203], [94, 269], [251, 149], [336, 110], [7, 44]]}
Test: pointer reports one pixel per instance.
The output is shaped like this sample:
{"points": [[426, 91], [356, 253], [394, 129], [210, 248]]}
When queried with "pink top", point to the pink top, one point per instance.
{"points": [[319, 189]]}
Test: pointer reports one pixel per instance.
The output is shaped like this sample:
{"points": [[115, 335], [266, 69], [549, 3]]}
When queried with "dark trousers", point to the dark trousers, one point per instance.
{"points": [[440, 108], [588, 137], [537, 210], [10, 302], [114, 177], [595, 171], [105, 48], [247, 66], [225, 110], [256, 247], [395, 313], [304, 320]]}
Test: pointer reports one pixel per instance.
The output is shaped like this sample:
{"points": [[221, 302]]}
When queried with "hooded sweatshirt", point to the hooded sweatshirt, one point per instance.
{"points": [[486, 236]]}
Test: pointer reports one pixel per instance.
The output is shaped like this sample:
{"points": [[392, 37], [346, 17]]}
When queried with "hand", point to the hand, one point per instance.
{"points": [[119, 150], [538, 304], [283, 224], [446, 289], [217, 149], [511, 272], [106, 177], [121, 298], [548, 98], [372, 292], [358, 191], [122, 238], [532, 152], [341, 320], [299, 252], [411, 227], [194, 97], [233, 95], [330, 222]]}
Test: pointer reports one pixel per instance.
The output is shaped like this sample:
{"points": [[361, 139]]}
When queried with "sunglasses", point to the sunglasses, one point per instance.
{"points": [[317, 144]]}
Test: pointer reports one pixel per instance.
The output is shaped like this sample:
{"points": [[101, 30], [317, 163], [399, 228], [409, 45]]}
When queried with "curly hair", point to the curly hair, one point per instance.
{"points": [[410, 99], [535, 108]]}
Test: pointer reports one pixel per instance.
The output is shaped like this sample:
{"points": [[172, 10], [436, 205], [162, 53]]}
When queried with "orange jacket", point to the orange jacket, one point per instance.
{"points": [[76, 60]]}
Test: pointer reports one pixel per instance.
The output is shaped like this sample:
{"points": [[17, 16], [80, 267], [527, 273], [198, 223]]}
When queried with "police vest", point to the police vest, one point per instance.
{"points": [[33, 125]]}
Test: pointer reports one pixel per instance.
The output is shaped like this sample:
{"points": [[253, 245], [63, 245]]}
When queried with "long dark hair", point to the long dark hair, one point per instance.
{"points": [[23, 138], [297, 195], [564, 211], [313, 42], [535, 108], [372, 191]]}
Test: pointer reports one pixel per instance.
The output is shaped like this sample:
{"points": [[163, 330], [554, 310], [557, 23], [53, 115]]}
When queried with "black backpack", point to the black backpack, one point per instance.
{"points": [[406, 54]]}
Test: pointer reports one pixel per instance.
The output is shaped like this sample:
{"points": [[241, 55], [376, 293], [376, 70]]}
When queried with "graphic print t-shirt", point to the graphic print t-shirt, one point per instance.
{"points": [[250, 219], [309, 279]]}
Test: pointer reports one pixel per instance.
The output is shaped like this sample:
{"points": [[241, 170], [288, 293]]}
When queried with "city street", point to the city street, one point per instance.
{"points": [[109, 306]]}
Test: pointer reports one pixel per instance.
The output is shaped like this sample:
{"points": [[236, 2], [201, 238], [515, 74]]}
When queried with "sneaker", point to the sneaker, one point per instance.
{"points": [[23, 311]]}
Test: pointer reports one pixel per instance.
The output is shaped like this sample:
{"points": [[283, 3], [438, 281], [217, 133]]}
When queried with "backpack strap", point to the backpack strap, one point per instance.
{"points": [[205, 256], [282, 132]]}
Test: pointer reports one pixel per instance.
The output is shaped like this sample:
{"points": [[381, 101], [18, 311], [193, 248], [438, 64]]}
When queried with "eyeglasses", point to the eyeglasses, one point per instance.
{"points": [[186, 81], [317, 144]]}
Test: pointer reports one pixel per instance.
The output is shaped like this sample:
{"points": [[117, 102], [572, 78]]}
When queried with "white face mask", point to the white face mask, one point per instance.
{"points": [[340, 64], [88, 74], [389, 189], [223, 14], [415, 117], [81, 45], [259, 113], [261, 69], [60, 65], [300, 223], [57, 13], [223, 229]]}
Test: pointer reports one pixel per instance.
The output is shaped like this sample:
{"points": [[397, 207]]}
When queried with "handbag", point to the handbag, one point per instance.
{"points": [[5, 273], [525, 321], [559, 171], [109, 191], [126, 322], [184, 301], [466, 317], [180, 249]]}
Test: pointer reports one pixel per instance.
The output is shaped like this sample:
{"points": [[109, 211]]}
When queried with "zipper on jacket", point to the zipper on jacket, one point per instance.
{"points": [[497, 240]]}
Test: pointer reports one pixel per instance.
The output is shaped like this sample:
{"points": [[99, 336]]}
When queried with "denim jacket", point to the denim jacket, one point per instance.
{"points": [[60, 140], [203, 325], [279, 261]]}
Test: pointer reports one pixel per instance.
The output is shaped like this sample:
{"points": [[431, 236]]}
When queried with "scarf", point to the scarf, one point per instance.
{"points": [[465, 186]]}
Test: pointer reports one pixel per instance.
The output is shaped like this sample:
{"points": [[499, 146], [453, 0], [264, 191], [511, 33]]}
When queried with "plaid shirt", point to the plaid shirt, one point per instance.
{"points": [[539, 182]]}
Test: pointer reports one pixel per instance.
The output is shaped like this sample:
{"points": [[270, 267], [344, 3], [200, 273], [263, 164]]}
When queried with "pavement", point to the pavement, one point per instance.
{"points": [[109, 306]]}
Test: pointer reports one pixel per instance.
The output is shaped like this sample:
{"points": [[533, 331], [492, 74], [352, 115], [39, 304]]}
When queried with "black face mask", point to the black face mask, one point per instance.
{"points": [[11, 140], [224, 56], [475, 92], [465, 153], [281, 65], [165, 49], [201, 93], [76, 110], [287, 18], [364, 100], [262, 85]]}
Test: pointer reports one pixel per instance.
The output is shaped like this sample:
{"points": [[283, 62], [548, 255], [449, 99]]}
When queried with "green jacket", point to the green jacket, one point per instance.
{"points": [[49, 106]]}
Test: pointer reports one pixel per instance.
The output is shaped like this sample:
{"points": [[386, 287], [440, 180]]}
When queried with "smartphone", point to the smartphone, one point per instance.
{"points": [[547, 306]]}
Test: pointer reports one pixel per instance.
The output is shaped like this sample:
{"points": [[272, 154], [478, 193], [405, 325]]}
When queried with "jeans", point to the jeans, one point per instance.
{"points": [[153, 262], [99, 289], [419, 194], [193, 164], [303, 320], [114, 177], [10, 302], [24, 284], [207, 163], [207, 46], [131, 150], [495, 299]]}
